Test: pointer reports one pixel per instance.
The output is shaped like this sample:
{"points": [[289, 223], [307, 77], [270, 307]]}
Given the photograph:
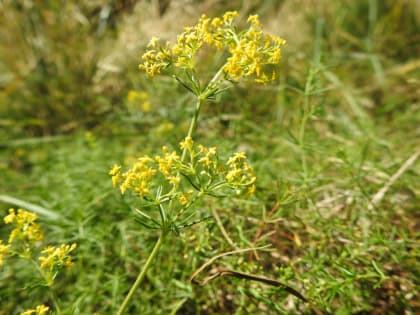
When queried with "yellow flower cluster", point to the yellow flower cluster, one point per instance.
{"points": [[240, 173], [250, 50], [57, 256], [184, 198], [209, 156], [139, 100], [206, 168], [157, 58], [137, 178], [167, 162], [28, 232], [26, 229], [201, 169], [39, 310]]}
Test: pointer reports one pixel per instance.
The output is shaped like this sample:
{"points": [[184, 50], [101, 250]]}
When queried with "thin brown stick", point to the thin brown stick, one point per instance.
{"points": [[213, 259], [228, 272], [222, 229], [261, 229], [381, 193], [219, 272]]}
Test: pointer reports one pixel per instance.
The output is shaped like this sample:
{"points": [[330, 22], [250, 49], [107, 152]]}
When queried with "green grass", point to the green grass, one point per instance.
{"points": [[350, 75]]}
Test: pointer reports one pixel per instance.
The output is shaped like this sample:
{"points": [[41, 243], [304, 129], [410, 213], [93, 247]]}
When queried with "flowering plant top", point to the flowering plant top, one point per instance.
{"points": [[250, 50]]}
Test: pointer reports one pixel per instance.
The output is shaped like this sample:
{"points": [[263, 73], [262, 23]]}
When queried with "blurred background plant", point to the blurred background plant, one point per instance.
{"points": [[346, 103], [46, 263]]}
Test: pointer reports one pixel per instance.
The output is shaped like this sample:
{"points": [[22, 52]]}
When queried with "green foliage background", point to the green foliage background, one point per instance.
{"points": [[66, 68]]}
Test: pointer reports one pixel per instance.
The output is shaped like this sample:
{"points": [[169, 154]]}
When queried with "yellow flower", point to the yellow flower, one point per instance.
{"points": [[253, 19], [156, 59], [146, 106], [229, 16], [233, 174], [251, 190], [4, 250], [115, 173], [11, 217], [240, 174], [137, 178], [174, 180], [26, 229], [217, 22], [42, 309], [131, 96], [57, 256], [138, 100], [209, 157], [39, 310], [236, 158], [167, 162], [153, 42], [184, 198], [187, 143]]}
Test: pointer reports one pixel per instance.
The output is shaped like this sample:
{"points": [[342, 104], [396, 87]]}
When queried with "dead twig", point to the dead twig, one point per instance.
{"points": [[213, 259], [261, 228], [232, 273], [218, 272], [381, 193], [222, 229]]}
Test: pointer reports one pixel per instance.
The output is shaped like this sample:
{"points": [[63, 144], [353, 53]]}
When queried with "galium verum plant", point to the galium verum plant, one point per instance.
{"points": [[24, 241], [170, 184]]}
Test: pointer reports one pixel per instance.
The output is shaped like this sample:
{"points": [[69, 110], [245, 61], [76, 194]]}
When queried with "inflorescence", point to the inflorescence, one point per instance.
{"points": [[202, 171], [166, 178], [26, 236], [250, 50]]}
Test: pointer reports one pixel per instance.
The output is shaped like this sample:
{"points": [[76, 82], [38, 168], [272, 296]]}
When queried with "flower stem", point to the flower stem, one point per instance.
{"points": [[200, 99], [142, 274], [48, 282], [192, 127]]}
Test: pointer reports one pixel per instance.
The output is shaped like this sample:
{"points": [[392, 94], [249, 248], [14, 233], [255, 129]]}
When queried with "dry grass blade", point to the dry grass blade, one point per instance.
{"points": [[381, 193], [222, 229]]}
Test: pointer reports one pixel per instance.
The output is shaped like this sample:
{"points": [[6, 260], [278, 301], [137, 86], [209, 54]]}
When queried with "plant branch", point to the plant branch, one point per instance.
{"points": [[142, 274]]}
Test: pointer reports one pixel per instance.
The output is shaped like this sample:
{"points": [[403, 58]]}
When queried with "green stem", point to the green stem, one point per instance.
{"points": [[200, 99], [55, 302], [216, 77], [193, 125], [307, 112], [49, 284], [302, 129], [142, 274]]}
